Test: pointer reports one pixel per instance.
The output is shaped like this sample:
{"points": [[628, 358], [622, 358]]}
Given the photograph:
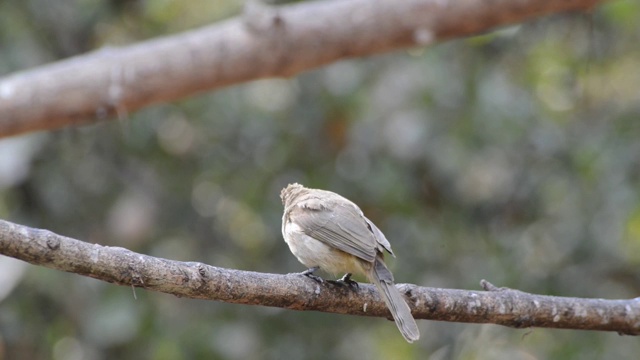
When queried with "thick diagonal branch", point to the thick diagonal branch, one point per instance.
{"points": [[265, 42], [196, 280]]}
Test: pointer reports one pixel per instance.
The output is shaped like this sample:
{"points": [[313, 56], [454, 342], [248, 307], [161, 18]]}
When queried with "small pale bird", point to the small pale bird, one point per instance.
{"points": [[325, 230]]}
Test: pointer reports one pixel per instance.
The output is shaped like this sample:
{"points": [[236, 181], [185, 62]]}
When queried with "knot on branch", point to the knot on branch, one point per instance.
{"points": [[260, 18], [53, 243]]}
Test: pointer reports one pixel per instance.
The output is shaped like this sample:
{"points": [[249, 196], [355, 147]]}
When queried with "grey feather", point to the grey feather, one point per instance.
{"points": [[382, 240], [339, 226], [383, 279]]}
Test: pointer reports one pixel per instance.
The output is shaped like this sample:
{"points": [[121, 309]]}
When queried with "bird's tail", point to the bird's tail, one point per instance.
{"points": [[383, 279]]}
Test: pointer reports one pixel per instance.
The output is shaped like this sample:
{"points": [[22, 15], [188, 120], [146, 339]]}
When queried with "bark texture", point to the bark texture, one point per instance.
{"points": [[120, 266]]}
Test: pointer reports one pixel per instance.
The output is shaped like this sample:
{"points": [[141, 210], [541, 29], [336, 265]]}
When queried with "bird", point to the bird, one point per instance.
{"points": [[327, 231]]}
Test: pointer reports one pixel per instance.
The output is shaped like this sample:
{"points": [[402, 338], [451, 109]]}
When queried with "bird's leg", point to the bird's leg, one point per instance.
{"points": [[309, 273], [346, 280]]}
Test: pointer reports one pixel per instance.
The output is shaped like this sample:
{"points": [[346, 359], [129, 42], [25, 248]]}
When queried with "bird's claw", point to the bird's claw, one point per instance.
{"points": [[309, 273], [346, 280]]}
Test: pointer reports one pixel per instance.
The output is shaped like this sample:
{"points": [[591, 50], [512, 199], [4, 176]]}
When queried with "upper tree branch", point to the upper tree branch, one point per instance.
{"points": [[196, 280], [265, 42]]}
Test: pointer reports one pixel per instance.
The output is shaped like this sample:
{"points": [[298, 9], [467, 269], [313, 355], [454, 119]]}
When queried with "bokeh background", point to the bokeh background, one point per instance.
{"points": [[512, 157]]}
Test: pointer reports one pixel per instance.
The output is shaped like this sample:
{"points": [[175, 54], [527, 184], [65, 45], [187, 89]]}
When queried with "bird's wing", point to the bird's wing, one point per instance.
{"points": [[340, 226], [382, 240]]}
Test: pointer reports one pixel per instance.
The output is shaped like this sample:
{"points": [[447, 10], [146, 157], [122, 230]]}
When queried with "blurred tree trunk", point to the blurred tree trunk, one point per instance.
{"points": [[263, 42]]}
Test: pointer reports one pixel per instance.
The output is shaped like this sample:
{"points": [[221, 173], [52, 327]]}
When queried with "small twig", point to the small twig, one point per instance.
{"points": [[490, 287]]}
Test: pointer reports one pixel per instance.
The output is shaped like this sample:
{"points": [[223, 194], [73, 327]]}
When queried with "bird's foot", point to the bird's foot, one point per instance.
{"points": [[346, 280], [309, 273]]}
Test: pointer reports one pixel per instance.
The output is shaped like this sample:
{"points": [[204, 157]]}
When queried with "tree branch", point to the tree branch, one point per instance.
{"points": [[265, 42], [199, 281]]}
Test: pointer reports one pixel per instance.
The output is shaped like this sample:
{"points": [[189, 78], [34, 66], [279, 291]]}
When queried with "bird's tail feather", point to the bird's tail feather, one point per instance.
{"points": [[383, 279]]}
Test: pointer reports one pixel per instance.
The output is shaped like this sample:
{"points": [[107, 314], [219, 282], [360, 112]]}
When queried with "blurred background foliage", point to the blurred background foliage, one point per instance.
{"points": [[511, 156]]}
